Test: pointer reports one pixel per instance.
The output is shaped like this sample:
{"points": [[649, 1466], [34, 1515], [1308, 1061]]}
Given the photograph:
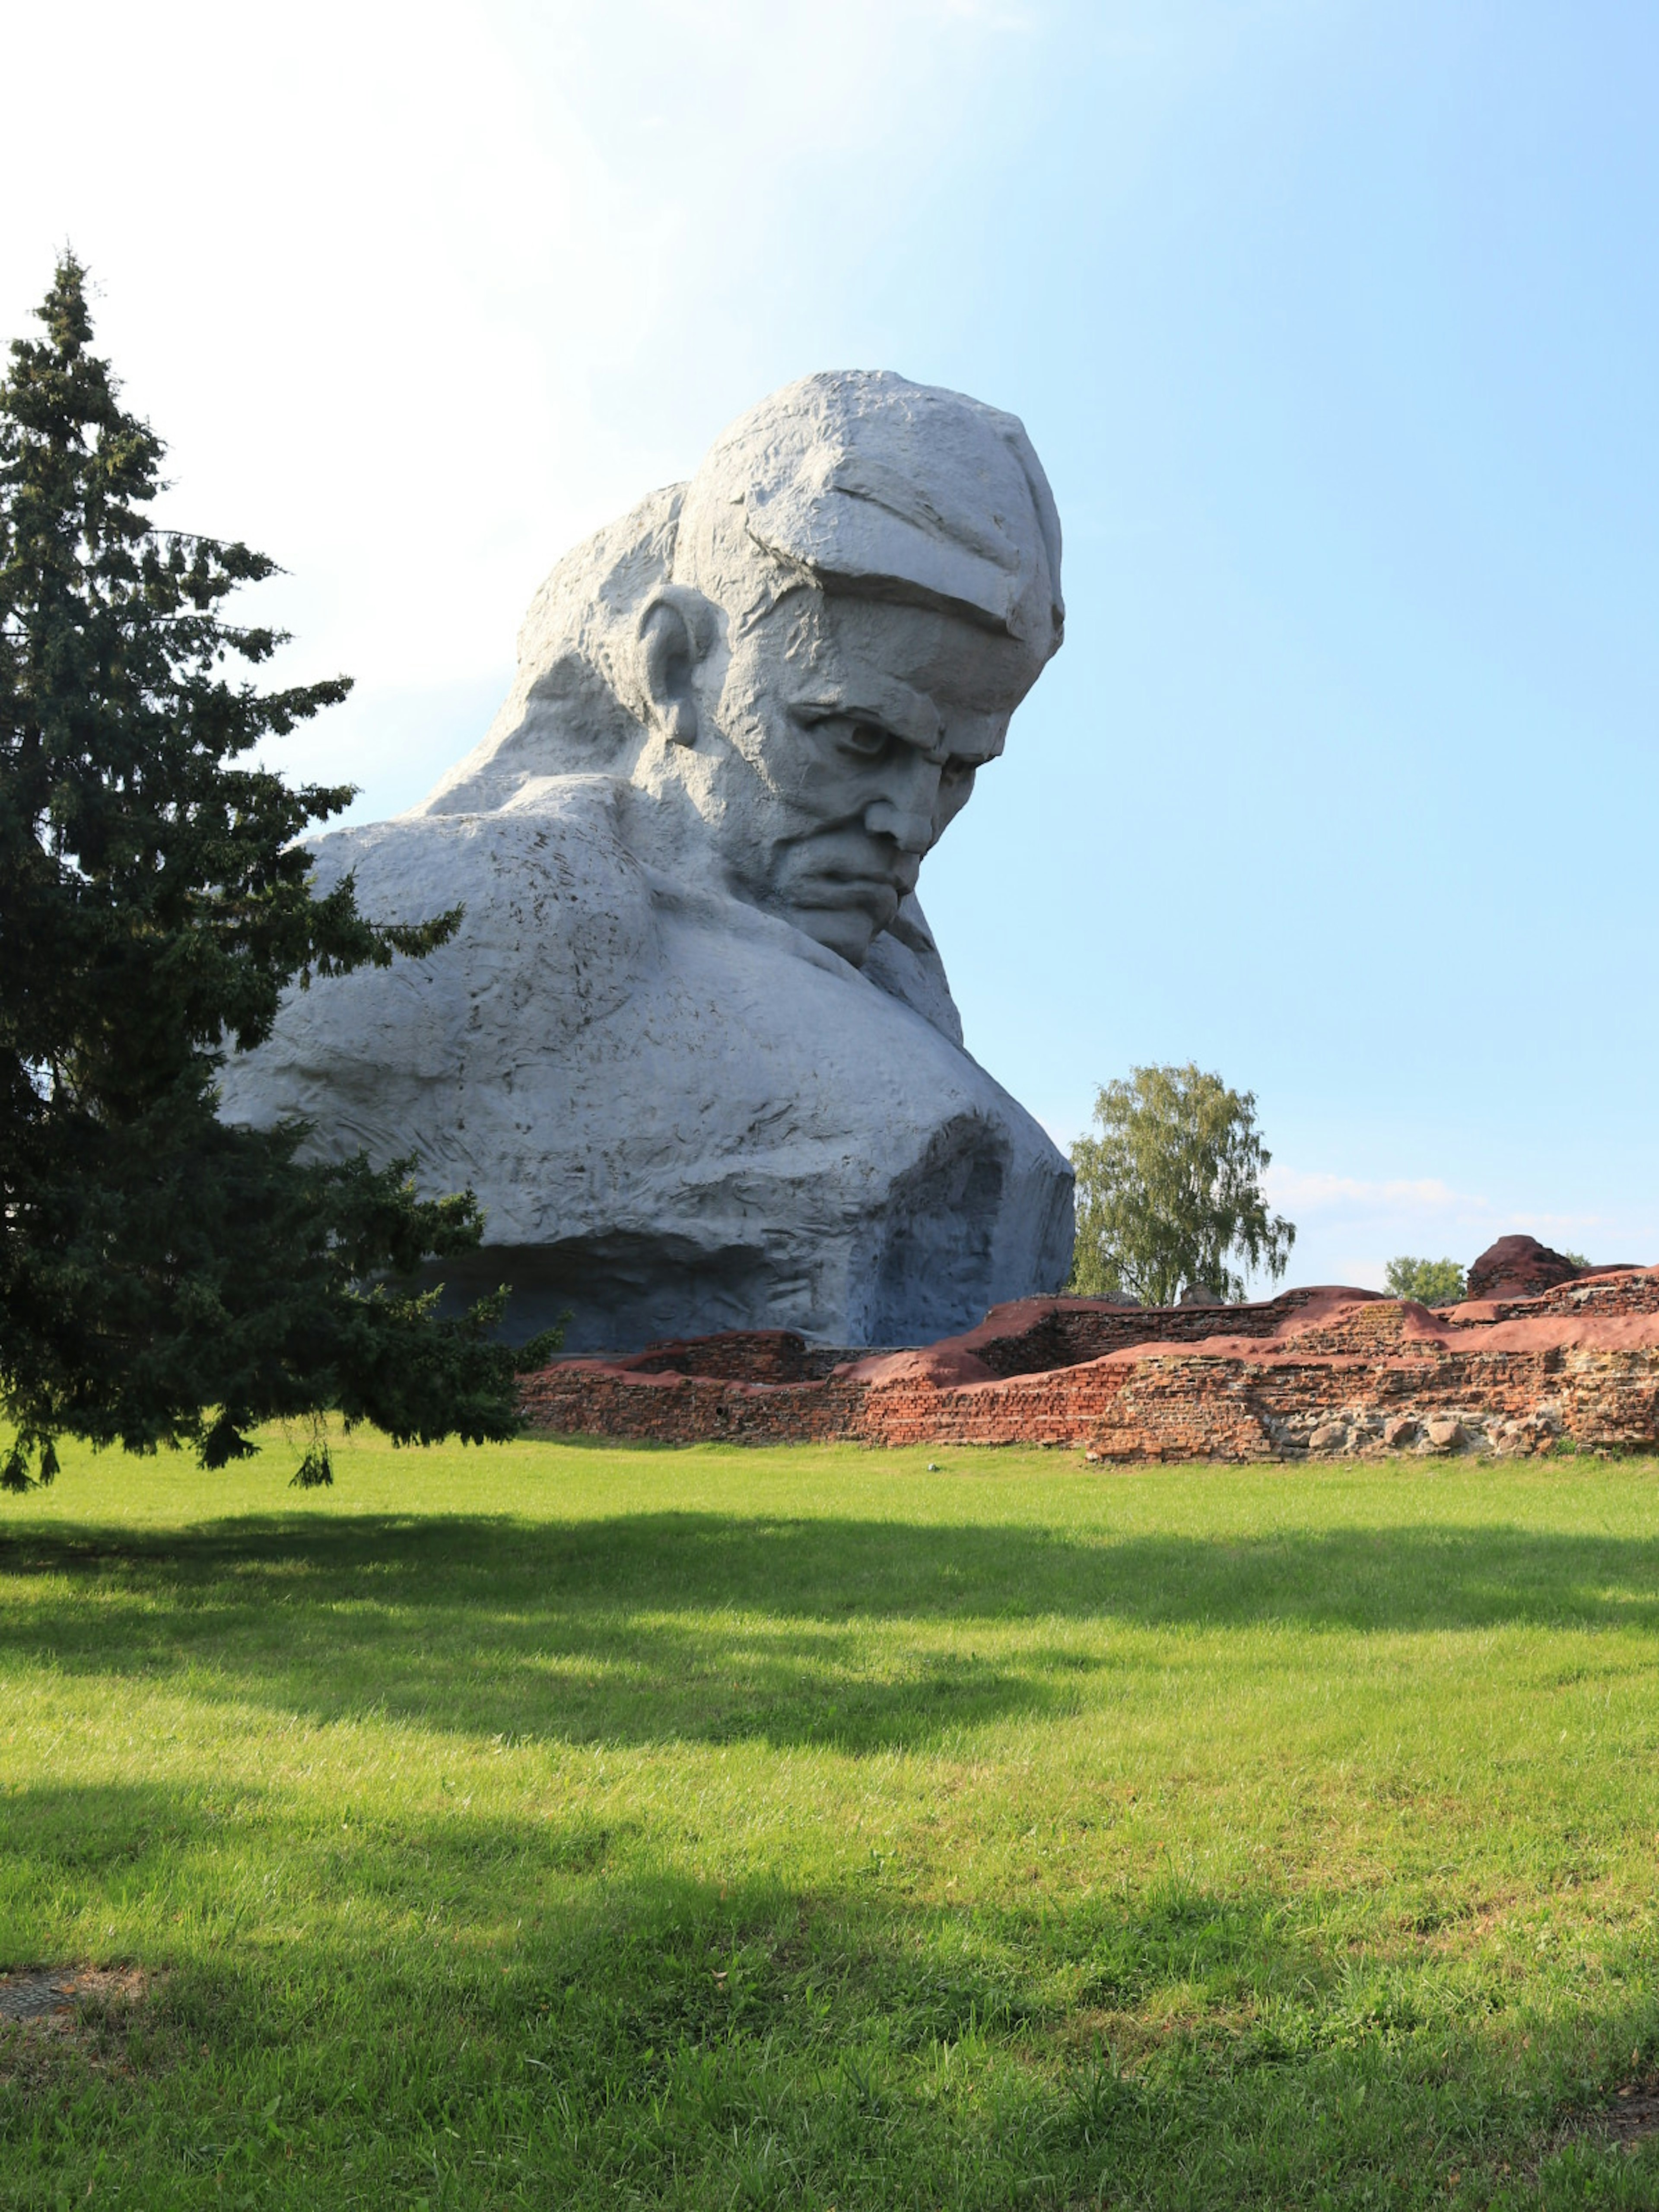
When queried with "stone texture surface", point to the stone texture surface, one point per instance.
{"points": [[694, 1047], [1312, 1373], [1519, 1267]]}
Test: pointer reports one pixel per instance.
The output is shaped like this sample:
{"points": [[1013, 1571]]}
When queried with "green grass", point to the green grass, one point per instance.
{"points": [[594, 1827]]}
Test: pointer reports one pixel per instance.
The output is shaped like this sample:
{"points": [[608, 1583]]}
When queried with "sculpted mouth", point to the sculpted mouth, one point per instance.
{"points": [[847, 873], [866, 904], [841, 890]]}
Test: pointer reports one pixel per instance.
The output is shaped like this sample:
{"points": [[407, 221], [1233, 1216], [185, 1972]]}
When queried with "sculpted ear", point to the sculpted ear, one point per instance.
{"points": [[676, 630]]}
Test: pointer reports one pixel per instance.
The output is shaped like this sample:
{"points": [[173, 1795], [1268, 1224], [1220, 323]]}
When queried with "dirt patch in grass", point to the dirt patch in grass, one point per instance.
{"points": [[55, 2022], [61, 1999], [1631, 2117], [1628, 2119]]}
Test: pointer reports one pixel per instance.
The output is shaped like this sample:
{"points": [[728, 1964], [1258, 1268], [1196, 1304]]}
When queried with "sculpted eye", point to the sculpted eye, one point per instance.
{"points": [[864, 740]]}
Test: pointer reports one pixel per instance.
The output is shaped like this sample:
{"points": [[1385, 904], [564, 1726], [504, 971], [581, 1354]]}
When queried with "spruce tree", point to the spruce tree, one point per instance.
{"points": [[164, 1277]]}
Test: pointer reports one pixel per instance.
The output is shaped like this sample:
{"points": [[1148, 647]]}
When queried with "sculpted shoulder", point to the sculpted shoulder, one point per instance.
{"points": [[559, 930]]}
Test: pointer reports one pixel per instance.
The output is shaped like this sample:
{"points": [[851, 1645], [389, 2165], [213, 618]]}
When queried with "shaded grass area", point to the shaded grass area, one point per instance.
{"points": [[589, 1828]]}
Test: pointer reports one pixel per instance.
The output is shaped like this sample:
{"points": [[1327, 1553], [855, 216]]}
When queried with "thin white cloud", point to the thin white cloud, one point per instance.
{"points": [[1288, 1188], [1351, 1226], [1421, 1198]]}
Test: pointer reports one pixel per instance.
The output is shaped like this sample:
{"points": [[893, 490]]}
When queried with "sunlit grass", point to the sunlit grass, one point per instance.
{"points": [[592, 1826]]}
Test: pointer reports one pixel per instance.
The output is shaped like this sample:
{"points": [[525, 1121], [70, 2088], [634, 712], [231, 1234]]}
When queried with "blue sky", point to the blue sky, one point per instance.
{"points": [[1334, 325]]}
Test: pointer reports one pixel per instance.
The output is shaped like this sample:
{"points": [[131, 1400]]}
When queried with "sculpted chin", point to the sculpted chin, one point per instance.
{"points": [[693, 1046]]}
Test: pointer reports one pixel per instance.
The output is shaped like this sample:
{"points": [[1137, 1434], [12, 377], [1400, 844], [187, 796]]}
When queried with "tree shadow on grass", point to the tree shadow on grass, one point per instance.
{"points": [[644, 2023], [717, 1627]]}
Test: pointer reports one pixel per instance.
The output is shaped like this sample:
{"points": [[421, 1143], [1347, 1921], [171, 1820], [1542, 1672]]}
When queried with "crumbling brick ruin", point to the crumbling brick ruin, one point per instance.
{"points": [[1314, 1373]]}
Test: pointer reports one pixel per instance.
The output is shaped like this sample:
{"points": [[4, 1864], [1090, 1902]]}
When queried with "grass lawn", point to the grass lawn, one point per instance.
{"points": [[594, 1827]]}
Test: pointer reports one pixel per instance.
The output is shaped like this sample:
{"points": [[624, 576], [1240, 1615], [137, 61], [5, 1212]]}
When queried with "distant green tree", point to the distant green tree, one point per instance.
{"points": [[1430, 1282], [164, 1277], [1169, 1193]]}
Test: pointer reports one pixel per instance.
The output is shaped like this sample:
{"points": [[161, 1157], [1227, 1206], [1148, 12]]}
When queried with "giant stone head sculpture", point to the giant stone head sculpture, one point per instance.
{"points": [[805, 653], [693, 1046]]}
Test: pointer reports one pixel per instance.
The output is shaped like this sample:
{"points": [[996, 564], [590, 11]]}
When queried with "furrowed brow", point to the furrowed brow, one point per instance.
{"points": [[908, 714]]}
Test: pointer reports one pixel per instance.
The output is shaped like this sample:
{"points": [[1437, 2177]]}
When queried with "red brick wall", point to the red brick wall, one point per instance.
{"points": [[1069, 1330], [1356, 1375]]}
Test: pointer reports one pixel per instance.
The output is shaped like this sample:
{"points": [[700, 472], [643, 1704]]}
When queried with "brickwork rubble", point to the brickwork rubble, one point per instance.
{"points": [[1319, 1373]]}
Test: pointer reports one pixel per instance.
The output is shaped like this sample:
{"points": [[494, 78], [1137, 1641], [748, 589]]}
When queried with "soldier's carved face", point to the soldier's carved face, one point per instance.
{"points": [[845, 733]]}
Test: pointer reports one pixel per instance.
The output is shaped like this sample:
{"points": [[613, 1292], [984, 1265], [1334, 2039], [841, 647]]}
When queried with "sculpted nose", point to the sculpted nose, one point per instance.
{"points": [[910, 827], [904, 810]]}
